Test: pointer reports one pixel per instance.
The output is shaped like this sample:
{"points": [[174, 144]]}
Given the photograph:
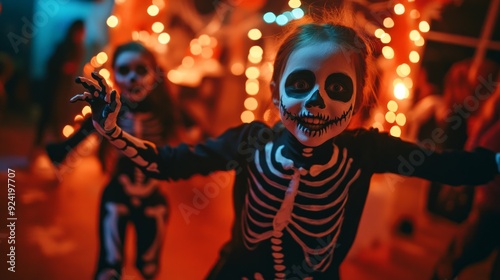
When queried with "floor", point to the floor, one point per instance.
{"points": [[56, 235]]}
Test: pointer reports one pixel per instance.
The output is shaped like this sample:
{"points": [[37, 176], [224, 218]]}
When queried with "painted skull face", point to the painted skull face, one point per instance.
{"points": [[134, 75], [317, 93]]}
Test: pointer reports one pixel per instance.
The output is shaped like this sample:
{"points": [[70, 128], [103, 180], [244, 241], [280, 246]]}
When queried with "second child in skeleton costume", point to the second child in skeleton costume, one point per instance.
{"points": [[301, 185], [131, 196]]}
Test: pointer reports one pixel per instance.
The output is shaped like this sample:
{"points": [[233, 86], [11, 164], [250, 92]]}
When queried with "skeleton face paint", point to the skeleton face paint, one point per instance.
{"points": [[317, 93], [134, 75]]}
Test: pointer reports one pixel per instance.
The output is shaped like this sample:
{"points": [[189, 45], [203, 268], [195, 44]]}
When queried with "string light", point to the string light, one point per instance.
{"points": [[68, 130], [414, 57], [424, 26], [269, 17], [392, 106], [237, 69], [395, 131], [390, 117], [403, 70], [247, 116], [400, 91], [252, 72], [414, 35], [251, 103], [294, 3], [153, 10], [164, 38], [157, 27], [112, 21], [386, 38], [399, 9], [252, 87], [254, 34], [388, 22], [388, 52], [101, 58], [401, 119], [86, 110]]}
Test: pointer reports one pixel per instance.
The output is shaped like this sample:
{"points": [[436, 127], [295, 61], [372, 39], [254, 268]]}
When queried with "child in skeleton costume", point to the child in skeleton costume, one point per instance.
{"points": [[131, 196], [300, 185]]}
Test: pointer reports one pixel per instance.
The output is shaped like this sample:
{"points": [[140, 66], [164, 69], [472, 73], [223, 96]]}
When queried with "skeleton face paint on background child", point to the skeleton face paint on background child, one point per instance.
{"points": [[134, 75], [317, 93]]}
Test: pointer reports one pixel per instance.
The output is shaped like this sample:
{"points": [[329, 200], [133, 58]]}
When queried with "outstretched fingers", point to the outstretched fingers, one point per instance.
{"points": [[86, 96], [88, 84], [101, 81]]}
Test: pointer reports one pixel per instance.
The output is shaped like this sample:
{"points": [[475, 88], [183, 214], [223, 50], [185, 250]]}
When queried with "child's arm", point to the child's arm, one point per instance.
{"points": [[105, 104], [229, 151], [393, 155]]}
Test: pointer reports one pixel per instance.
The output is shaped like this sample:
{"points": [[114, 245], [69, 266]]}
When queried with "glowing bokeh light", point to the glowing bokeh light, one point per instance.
{"points": [[298, 13], [68, 130], [392, 106], [408, 82], [281, 20], [414, 57], [86, 110], [414, 14], [395, 131], [420, 42], [390, 117], [269, 17], [237, 69], [403, 70], [294, 4], [204, 40], [252, 87], [399, 9], [424, 26], [112, 21], [153, 10], [388, 52], [388, 22], [105, 73], [247, 117], [252, 72], [400, 91], [254, 34], [379, 32], [101, 57], [157, 27], [401, 119], [414, 35], [251, 103], [386, 38], [256, 51], [164, 38], [254, 59]]}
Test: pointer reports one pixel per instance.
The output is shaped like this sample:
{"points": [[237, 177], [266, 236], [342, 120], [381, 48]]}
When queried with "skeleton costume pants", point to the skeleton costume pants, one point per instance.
{"points": [[141, 205]]}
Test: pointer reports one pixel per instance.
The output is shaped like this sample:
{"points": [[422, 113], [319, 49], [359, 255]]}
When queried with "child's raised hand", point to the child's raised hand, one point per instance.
{"points": [[104, 102]]}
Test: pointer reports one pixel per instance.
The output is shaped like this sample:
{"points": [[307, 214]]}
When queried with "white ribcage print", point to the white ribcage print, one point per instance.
{"points": [[309, 205]]}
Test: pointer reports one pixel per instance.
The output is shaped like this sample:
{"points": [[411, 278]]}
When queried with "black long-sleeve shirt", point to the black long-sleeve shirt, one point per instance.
{"points": [[297, 208]]}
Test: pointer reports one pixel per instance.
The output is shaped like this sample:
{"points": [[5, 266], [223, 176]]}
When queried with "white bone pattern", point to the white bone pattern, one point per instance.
{"points": [[308, 204]]}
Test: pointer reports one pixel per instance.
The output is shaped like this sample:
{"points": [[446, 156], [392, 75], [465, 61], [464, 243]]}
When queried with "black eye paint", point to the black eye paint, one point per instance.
{"points": [[299, 82], [140, 70], [123, 70], [339, 87]]}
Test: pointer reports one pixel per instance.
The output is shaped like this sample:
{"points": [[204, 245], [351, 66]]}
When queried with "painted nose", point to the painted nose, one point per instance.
{"points": [[315, 101], [133, 77]]}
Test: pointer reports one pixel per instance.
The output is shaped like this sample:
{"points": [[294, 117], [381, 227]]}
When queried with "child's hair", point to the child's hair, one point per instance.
{"points": [[336, 27]]}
